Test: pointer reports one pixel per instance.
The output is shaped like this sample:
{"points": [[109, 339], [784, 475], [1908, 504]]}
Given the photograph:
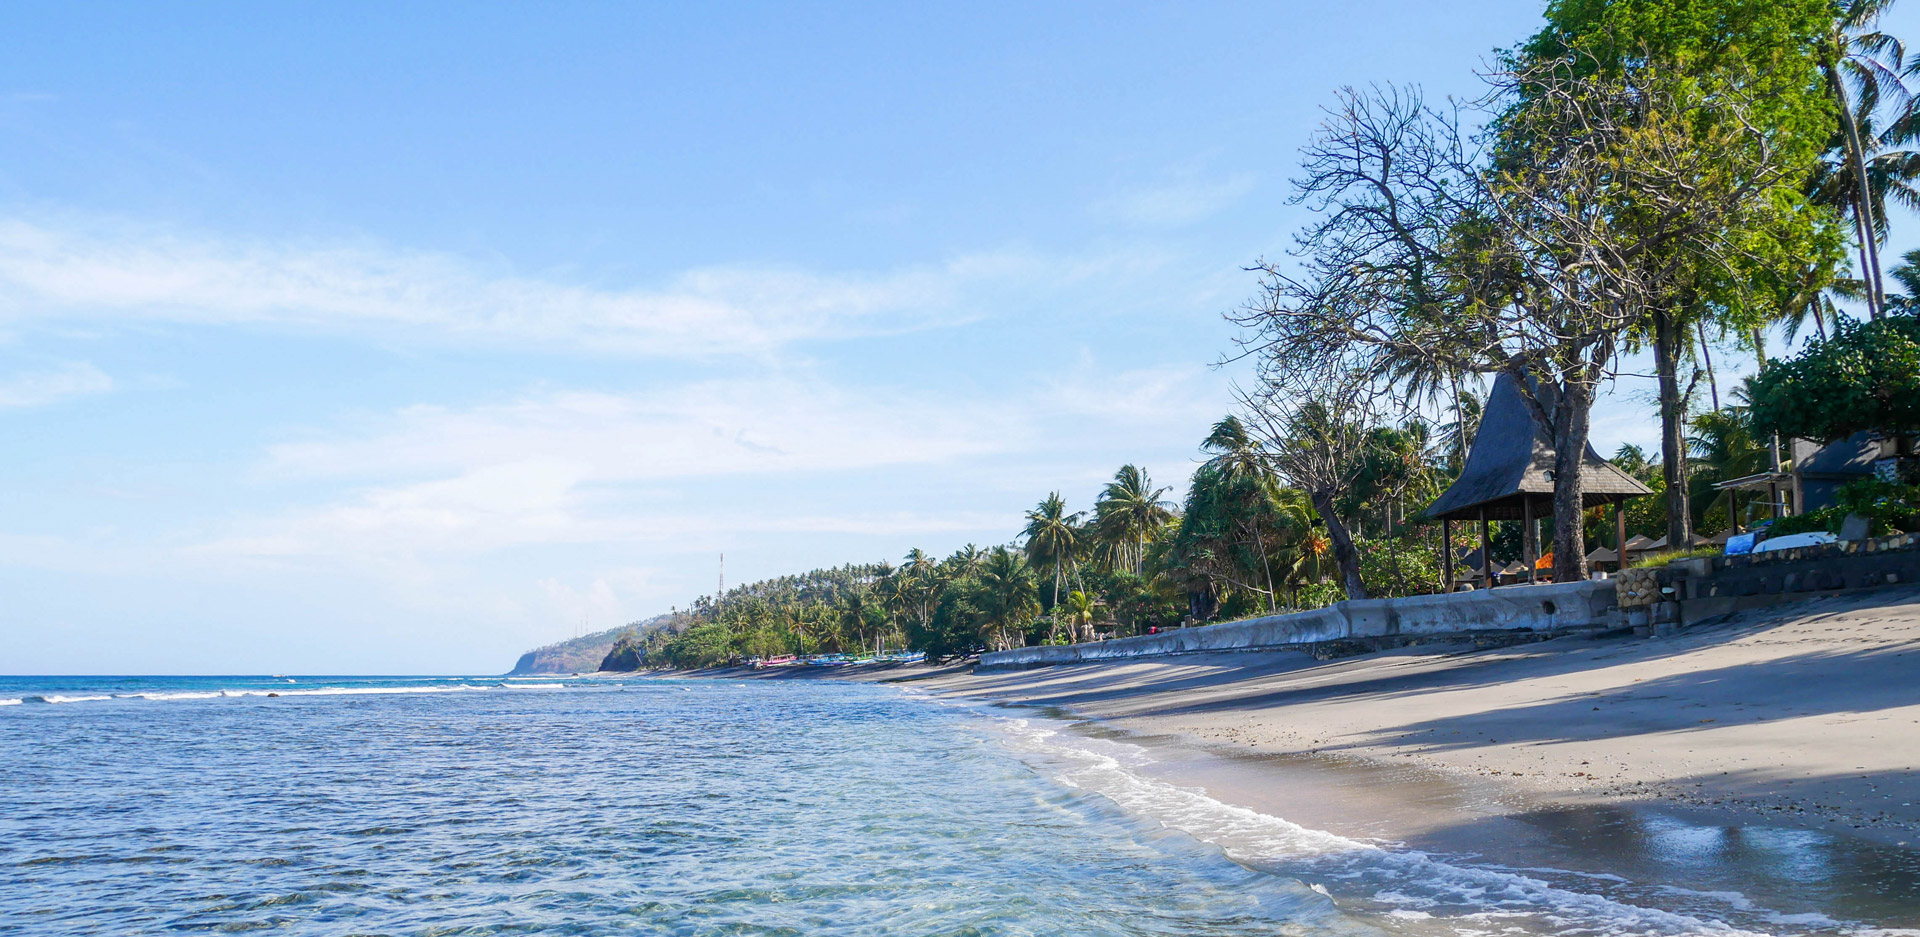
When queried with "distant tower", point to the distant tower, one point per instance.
{"points": [[721, 596]]}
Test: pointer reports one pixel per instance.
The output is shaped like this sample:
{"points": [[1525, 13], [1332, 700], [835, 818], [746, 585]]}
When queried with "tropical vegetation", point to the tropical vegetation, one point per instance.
{"points": [[1668, 178]]}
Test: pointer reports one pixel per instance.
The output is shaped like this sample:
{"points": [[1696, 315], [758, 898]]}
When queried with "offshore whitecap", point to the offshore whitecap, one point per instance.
{"points": [[450, 806]]}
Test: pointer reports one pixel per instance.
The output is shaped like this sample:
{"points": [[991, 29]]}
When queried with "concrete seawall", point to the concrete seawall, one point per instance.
{"points": [[1556, 607]]}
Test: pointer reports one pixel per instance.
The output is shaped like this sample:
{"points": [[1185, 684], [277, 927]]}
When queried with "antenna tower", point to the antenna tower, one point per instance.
{"points": [[721, 596]]}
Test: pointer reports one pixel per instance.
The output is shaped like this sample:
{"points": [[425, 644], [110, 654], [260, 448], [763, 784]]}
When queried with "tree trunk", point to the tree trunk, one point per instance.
{"points": [[1706, 354], [1344, 554], [1393, 553], [1571, 418], [1673, 438], [1862, 196], [1260, 543]]}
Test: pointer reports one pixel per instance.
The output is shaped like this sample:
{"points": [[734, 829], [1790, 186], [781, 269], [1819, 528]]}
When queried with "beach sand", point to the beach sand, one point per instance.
{"points": [[1807, 715]]}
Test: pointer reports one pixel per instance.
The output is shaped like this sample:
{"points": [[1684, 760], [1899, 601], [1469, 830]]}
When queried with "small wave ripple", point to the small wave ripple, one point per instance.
{"points": [[648, 808]]}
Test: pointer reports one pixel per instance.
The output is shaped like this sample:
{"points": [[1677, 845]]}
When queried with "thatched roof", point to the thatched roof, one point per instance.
{"points": [[1511, 462]]}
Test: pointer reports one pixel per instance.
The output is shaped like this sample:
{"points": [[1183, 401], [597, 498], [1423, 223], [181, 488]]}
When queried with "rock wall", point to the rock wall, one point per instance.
{"points": [[1555, 607]]}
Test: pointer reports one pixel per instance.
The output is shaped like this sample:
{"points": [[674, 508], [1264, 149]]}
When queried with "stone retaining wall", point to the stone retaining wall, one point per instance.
{"points": [[1556, 607]]}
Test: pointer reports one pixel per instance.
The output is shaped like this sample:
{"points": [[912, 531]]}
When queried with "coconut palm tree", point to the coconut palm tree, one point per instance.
{"points": [[1456, 437], [1077, 615], [1005, 596], [1251, 490], [1724, 445], [1129, 514], [1861, 67], [1907, 274], [856, 609], [920, 584], [1051, 534]]}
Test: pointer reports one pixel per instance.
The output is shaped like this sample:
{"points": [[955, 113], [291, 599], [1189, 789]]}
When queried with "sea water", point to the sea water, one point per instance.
{"points": [[315, 805]]}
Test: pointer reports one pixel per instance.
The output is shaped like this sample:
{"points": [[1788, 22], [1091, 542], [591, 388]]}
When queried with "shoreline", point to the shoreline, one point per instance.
{"points": [[1805, 715], [1761, 770]]}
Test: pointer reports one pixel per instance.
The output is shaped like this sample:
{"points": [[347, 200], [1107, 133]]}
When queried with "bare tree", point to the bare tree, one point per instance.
{"points": [[1600, 197], [1313, 426]]}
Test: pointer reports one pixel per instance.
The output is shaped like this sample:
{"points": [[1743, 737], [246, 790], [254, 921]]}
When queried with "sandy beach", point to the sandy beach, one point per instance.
{"points": [[1809, 716]]}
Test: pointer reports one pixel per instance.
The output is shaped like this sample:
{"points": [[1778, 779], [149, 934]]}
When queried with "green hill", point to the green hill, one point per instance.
{"points": [[579, 655]]}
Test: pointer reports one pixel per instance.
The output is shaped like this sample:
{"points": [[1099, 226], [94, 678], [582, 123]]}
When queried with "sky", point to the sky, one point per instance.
{"points": [[376, 338]]}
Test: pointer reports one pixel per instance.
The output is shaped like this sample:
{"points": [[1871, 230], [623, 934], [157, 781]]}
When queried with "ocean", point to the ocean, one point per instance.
{"points": [[443, 806]]}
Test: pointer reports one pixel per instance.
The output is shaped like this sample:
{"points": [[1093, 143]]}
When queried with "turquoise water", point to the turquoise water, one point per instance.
{"points": [[481, 806]]}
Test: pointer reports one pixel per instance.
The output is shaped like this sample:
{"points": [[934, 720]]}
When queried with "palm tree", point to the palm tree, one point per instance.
{"points": [[1861, 67], [1907, 274], [1079, 615], [1005, 597], [855, 607], [1456, 438], [1725, 445], [1129, 514], [1051, 534], [920, 585], [967, 559], [1254, 491]]}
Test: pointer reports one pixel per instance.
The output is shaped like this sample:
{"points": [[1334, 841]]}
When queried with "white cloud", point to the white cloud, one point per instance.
{"points": [[1184, 201], [1177, 397], [569, 467], [704, 429], [87, 274], [39, 388]]}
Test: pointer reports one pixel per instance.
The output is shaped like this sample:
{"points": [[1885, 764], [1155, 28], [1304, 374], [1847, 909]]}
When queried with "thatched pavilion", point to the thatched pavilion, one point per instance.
{"points": [[1509, 476]]}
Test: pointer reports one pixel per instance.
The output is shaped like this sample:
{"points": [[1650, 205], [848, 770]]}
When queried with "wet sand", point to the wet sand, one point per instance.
{"points": [[1808, 716]]}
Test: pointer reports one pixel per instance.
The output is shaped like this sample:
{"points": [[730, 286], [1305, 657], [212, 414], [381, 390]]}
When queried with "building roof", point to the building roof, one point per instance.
{"points": [[1511, 464], [1851, 456]]}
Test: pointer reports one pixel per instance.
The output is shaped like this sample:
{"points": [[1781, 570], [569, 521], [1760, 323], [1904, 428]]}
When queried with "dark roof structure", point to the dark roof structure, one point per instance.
{"points": [[1845, 459], [1511, 465]]}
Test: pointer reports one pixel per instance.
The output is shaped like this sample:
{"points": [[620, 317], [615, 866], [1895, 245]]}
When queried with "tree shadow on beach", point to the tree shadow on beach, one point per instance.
{"points": [[1221, 683], [1811, 684]]}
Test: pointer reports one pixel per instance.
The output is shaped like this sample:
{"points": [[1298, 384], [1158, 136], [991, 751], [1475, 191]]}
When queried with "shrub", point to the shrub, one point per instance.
{"points": [[1889, 508]]}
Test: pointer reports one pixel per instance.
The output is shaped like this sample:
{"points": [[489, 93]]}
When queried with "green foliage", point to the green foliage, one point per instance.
{"points": [[1647, 515], [705, 645], [1865, 377], [1732, 78], [1664, 558], [1399, 566], [1889, 508], [1773, 260], [1319, 595]]}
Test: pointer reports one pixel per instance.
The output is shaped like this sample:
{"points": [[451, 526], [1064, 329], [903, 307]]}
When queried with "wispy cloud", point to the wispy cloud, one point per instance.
{"points": [[40, 388], [704, 429], [1185, 200], [109, 273], [570, 467]]}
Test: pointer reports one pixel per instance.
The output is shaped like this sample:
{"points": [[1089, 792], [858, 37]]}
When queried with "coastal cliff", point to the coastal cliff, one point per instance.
{"points": [[582, 654]]}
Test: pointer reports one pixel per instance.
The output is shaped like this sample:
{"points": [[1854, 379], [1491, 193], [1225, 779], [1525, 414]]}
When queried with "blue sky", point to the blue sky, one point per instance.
{"points": [[377, 338]]}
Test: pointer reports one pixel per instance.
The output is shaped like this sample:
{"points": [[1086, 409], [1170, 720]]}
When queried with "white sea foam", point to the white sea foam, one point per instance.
{"points": [[1399, 879], [171, 696]]}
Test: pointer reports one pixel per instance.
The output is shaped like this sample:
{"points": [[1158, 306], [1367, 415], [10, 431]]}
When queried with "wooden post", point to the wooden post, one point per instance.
{"points": [[1486, 551], [1620, 533], [1527, 545], [1446, 554], [1733, 510]]}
